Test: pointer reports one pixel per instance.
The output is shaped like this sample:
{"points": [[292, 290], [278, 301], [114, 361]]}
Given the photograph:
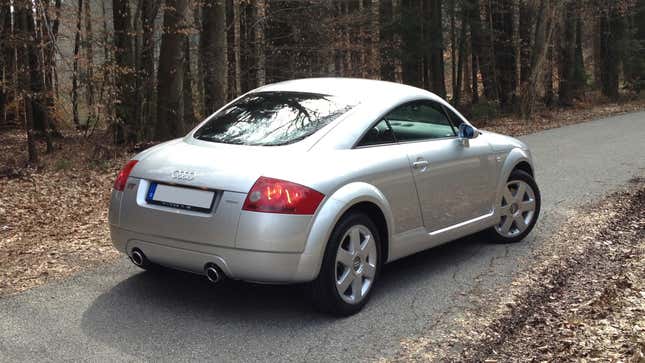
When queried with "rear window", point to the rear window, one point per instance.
{"points": [[273, 118]]}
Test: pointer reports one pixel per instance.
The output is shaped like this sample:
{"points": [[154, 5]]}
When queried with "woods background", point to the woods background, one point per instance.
{"points": [[150, 69]]}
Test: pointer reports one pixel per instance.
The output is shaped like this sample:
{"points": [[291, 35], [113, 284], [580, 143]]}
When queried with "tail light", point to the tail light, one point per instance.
{"points": [[122, 178], [278, 196]]}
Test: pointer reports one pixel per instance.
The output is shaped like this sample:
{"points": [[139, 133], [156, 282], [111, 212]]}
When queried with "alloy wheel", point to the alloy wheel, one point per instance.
{"points": [[517, 209], [356, 261]]}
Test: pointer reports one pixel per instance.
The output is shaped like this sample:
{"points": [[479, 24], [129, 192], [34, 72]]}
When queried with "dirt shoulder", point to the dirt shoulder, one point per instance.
{"points": [[580, 297]]}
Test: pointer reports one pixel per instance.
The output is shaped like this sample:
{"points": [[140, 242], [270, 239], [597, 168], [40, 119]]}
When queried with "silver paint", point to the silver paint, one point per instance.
{"points": [[451, 191]]}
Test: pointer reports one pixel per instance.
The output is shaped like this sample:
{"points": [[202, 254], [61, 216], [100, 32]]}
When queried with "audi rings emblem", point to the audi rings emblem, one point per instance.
{"points": [[183, 175]]}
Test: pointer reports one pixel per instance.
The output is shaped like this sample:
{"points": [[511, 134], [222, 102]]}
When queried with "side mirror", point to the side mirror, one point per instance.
{"points": [[467, 132]]}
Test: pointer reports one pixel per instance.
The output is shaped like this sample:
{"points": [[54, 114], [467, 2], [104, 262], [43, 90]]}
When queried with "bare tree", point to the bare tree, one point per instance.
{"points": [[149, 9], [125, 129], [89, 58], [213, 47], [24, 38], [75, 72], [435, 36], [170, 76], [543, 32], [260, 56]]}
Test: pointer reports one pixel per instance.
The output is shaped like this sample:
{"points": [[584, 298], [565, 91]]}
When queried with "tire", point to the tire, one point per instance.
{"points": [[518, 214], [362, 273]]}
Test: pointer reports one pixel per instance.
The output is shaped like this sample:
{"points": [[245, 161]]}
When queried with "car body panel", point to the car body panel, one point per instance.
{"points": [[453, 196], [457, 184]]}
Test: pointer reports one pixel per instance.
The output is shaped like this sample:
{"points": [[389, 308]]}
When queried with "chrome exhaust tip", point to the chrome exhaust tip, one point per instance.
{"points": [[214, 273], [138, 258]]}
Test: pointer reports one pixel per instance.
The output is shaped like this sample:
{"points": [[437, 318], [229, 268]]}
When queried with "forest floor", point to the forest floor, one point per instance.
{"points": [[580, 297], [53, 217]]}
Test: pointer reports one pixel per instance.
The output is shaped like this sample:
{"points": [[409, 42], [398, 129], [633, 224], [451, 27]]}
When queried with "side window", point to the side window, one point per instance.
{"points": [[379, 134], [420, 121]]}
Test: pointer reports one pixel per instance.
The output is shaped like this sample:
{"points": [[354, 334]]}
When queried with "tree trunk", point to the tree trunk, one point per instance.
{"points": [[75, 71], [579, 74], [387, 41], [237, 48], [213, 52], [567, 55], [453, 49], [260, 57], [106, 103], [5, 71], [482, 47], [437, 78], [410, 59], [527, 19], [23, 21], [188, 109], [170, 75], [125, 115], [375, 34], [461, 60], [39, 91], [548, 76], [611, 33], [149, 9], [543, 32], [89, 55], [49, 38], [502, 25], [474, 69]]}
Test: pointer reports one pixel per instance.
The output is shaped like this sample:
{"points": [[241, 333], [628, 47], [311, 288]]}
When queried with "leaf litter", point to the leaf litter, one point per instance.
{"points": [[579, 297]]}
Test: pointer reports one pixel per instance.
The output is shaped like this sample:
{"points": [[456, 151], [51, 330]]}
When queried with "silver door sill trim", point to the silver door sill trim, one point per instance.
{"points": [[462, 224]]}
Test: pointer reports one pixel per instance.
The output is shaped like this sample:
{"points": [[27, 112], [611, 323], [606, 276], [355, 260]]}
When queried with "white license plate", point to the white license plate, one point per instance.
{"points": [[179, 197]]}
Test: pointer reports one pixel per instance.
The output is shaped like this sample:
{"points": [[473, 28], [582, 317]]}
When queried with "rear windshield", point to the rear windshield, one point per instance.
{"points": [[273, 118]]}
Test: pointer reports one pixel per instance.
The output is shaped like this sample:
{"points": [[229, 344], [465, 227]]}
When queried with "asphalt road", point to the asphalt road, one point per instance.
{"points": [[120, 313]]}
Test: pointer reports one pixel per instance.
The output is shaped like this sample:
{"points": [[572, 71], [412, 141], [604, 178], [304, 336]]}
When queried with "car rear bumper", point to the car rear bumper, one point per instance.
{"points": [[238, 264]]}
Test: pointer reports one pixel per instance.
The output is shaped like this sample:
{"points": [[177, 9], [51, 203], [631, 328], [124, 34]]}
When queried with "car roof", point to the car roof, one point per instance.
{"points": [[355, 88]]}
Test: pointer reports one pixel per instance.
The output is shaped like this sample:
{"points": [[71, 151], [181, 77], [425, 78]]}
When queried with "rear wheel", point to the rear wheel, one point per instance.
{"points": [[519, 208], [350, 267]]}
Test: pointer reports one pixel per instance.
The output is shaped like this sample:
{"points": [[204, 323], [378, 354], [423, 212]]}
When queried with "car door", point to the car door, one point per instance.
{"points": [[453, 177], [384, 164]]}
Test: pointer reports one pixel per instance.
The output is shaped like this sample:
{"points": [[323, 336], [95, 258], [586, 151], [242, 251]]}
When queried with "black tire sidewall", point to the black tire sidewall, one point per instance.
{"points": [[324, 292], [527, 178]]}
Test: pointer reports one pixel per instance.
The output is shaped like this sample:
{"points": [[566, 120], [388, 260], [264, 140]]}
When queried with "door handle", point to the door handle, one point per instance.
{"points": [[420, 164]]}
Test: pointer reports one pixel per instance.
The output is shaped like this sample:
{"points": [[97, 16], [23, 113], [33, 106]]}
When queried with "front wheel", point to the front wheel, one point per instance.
{"points": [[350, 267], [519, 208]]}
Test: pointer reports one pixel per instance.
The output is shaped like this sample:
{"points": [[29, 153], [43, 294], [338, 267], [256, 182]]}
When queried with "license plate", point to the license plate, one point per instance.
{"points": [[181, 198]]}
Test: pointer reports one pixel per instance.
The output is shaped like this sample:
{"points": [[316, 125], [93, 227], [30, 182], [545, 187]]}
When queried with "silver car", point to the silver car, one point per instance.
{"points": [[321, 181]]}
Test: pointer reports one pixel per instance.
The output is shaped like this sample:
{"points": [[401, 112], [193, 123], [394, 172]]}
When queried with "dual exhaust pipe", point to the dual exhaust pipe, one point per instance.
{"points": [[139, 259], [213, 273]]}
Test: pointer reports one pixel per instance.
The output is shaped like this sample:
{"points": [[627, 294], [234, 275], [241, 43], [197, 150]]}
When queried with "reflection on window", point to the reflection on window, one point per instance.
{"points": [[419, 121], [380, 134], [273, 118]]}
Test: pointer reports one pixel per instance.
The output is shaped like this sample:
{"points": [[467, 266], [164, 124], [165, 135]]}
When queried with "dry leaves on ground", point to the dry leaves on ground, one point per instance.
{"points": [[53, 221], [580, 297]]}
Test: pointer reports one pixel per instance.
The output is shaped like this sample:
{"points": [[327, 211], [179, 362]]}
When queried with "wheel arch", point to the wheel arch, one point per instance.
{"points": [[524, 166], [355, 196], [516, 159], [375, 213]]}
